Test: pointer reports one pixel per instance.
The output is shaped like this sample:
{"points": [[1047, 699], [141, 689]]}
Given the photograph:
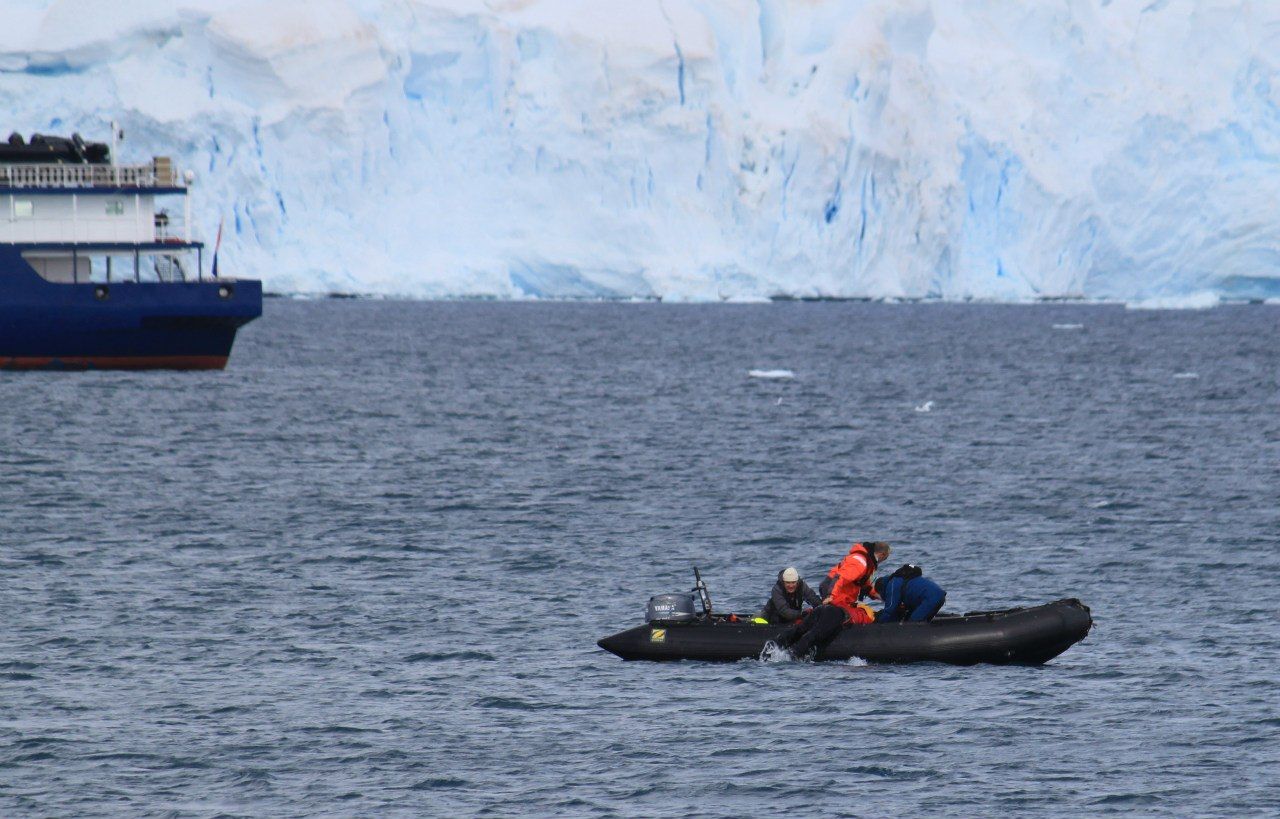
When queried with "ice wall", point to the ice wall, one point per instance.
{"points": [[692, 149]]}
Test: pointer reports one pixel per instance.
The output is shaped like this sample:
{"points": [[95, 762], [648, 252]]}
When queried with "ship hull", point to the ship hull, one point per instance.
{"points": [[119, 325]]}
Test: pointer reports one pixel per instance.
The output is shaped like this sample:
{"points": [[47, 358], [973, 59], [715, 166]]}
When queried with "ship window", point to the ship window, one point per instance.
{"points": [[24, 209], [115, 207]]}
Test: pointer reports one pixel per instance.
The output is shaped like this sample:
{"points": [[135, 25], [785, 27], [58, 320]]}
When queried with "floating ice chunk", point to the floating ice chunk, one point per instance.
{"points": [[927, 406], [770, 374], [1195, 301]]}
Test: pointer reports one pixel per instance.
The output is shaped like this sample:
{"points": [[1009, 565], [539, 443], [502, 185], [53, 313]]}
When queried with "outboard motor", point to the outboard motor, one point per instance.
{"points": [[668, 609]]}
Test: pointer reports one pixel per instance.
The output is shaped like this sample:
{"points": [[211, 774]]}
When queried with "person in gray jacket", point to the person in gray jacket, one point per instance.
{"points": [[789, 595]]}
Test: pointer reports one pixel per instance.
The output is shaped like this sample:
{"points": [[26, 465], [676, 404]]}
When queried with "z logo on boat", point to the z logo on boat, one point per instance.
{"points": [[658, 635]]}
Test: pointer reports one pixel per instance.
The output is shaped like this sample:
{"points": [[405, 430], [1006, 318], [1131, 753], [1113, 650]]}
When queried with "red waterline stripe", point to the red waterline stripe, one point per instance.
{"points": [[93, 362]]}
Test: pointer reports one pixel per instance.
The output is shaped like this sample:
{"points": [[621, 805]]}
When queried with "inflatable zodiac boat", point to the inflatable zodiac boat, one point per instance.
{"points": [[1018, 636]]}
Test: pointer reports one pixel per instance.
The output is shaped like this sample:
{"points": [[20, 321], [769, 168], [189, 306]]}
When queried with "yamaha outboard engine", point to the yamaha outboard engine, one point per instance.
{"points": [[678, 608], [667, 609]]}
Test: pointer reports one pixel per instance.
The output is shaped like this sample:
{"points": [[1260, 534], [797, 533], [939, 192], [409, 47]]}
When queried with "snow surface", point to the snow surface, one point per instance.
{"points": [[693, 149]]}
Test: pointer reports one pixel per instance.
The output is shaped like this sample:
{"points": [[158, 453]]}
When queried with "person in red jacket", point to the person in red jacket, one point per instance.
{"points": [[850, 579], [845, 585]]}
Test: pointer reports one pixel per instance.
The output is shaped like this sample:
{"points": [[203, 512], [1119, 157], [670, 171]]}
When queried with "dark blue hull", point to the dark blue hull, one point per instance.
{"points": [[119, 325]]}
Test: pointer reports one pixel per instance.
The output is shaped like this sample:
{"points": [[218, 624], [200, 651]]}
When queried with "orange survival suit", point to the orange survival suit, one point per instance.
{"points": [[850, 579]]}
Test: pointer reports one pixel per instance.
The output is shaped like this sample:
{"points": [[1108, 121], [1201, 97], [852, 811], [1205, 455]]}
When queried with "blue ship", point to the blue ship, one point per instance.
{"points": [[97, 272]]}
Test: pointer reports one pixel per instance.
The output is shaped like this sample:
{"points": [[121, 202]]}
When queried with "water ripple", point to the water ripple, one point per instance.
{"points": [[362, 571]]}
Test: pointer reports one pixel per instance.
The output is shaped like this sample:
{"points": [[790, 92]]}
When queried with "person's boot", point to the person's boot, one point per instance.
{"points": [[802, 647]]}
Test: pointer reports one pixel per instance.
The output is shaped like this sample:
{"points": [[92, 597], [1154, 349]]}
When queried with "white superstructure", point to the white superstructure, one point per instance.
{"points": [[60, 203], [81, 222]]}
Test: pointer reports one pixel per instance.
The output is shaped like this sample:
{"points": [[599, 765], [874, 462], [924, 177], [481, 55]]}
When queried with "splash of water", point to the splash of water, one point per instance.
{"points": [[774, 653]]}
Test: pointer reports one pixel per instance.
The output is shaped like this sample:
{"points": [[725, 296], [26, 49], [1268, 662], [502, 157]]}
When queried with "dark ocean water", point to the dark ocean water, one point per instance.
{"points": [[362, 572]]}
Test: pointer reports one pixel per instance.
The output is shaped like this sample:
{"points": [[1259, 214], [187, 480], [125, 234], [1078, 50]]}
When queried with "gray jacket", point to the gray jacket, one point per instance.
{"points": [[785, 608]]}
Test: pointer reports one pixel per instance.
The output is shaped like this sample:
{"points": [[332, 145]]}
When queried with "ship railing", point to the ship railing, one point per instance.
{"points": [[159, 173]]}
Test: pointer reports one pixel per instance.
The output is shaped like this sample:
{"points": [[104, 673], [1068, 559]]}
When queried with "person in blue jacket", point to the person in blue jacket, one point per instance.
{"points": [[908, 595]]}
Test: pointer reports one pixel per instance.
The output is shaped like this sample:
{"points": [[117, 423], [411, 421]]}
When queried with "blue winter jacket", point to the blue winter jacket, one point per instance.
{"points": [[901, 596]]}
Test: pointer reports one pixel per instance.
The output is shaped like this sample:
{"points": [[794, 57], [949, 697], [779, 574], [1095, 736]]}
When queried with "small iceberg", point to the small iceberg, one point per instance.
{"points": [[1194, 301], [770, 374]]}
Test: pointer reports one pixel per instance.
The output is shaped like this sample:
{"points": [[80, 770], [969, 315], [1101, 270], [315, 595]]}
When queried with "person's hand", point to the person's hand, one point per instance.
{"points": [[826, 600]]}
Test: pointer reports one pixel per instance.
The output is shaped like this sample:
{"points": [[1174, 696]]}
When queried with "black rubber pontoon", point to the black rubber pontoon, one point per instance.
{"points": [[45, 149], [1022, 636]]}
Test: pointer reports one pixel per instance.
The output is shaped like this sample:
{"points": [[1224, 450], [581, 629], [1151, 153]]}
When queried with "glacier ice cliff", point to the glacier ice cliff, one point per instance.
{"points": [[692, 149]]}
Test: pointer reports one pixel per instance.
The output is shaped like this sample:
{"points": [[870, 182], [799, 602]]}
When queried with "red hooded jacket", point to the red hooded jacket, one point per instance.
{"points": [[852, 579]]}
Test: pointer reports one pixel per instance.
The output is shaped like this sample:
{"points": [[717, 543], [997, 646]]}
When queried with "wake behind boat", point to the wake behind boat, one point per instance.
{"points": [[1016, 636]]}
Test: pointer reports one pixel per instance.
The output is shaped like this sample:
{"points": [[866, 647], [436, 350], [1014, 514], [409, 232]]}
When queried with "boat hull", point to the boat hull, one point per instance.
{"points": [[1024, 636], [119, 325]]}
